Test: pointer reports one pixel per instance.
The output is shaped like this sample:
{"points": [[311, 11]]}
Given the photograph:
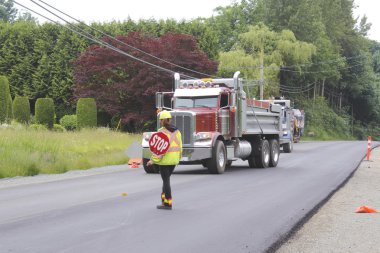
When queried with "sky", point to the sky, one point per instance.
{"points": [[119, 10]]}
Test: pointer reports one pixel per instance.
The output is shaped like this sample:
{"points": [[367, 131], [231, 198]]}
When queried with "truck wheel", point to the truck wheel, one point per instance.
{"points": [[274, 153], [288, 147], [149, 169], [262, 160], [217, 163]]}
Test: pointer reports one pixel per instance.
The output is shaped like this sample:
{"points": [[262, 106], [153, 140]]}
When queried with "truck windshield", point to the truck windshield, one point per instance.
{"points": [[196, 102]]}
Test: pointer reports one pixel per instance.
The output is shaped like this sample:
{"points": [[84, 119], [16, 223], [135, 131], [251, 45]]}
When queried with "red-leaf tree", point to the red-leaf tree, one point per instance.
{"points": [[126, 87]]}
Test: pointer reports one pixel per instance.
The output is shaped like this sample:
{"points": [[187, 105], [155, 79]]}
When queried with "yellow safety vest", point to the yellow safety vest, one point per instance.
{"points": [[174, 153]]}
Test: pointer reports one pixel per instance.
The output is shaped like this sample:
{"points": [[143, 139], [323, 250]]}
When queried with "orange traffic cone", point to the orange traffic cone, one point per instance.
{"points": [[134, 162], [134, 165], [365, 209]]}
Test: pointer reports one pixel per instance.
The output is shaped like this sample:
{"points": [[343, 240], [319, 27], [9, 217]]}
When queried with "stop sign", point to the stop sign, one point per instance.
{"points": [[159, 143]]}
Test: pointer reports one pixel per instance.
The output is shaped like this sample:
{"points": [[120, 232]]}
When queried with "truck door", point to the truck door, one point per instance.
{"points": [[224, 115]]}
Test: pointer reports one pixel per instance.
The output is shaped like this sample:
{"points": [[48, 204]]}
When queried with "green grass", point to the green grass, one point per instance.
{"points": [[325, 135], [27, 152]]}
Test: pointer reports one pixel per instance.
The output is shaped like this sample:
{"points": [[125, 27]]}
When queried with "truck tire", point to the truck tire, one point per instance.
{"points": [[149, 169], [252, 162], [252, 157], [288, 147], [217, 163], [263, 158], [274, 153]]}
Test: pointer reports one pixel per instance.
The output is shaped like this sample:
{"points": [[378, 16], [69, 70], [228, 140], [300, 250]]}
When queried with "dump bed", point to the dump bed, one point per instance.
{"points": [[261, 117]]}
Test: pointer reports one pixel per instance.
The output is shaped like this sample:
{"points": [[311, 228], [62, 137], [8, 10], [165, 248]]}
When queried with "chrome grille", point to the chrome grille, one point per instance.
{"points": [[183, 121]]}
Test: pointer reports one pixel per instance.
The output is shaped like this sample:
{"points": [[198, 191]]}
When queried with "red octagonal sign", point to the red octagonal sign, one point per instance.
{"points": [[159, 143]]}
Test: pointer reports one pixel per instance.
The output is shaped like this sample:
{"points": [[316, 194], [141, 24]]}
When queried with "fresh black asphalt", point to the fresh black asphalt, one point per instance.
{"points": [[243, 210]]}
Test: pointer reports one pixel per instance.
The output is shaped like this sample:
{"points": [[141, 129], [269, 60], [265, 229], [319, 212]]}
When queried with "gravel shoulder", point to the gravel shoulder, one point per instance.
{"points": [[336, 227]]}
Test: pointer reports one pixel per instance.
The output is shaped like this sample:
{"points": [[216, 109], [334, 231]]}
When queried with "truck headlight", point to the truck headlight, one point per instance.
{"points": [[147, 135], [146, 138], [201, 136]]}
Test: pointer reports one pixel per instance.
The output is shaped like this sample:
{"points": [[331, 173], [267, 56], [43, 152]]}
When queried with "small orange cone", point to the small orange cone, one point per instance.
{"points": [[134, 162], [134, 166], [365, 209]]}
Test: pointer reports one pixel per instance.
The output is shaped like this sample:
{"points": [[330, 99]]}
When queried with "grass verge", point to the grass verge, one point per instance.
{"points": [[27, 152]]}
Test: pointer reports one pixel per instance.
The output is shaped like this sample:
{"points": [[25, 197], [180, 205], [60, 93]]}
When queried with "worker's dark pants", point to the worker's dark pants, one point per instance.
{"points": [[166, 171]]}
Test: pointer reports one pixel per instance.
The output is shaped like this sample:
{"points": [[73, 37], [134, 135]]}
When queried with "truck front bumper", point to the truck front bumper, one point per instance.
{"points": [[190, 154]]}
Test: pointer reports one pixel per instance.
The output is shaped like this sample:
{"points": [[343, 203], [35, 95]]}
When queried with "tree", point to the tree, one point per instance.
{"points": [[262, 48], [7, 12], [234, 19], [126, 88]]}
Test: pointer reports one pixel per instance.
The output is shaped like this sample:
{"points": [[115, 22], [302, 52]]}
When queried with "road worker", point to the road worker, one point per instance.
{"points": [[167, 162]]}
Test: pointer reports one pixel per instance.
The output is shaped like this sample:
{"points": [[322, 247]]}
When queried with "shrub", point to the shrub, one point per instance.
{"points": [[21, 110], [9, 109], [69, 122], [4, 96], [58, 128], [86, 113], [38, 127], [45, 112], [324, 121]]}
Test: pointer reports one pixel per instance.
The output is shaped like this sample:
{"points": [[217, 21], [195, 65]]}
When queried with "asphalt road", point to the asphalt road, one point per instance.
{"points": [[243, 210]]}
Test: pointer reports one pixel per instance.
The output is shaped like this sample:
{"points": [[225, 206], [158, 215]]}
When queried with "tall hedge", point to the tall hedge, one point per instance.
{"points": [[86, 113], [9, 108], [21, 110], [45, 112], [4, 96]]}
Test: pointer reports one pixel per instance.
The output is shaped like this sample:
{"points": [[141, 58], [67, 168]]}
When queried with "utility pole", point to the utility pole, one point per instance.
{"points": [[315, 88], [340, 101], [262, 73]]}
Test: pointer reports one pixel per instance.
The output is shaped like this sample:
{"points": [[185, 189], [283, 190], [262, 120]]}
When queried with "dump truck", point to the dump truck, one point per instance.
{"points": [[287, 123], [299, 124], [220, 124]]}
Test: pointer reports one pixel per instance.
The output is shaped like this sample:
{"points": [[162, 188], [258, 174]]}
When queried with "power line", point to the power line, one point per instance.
{"points": [[296, 87], [105, 44], [122, 42], [284, 68], [327, 61], [296, 92], [321, 71]]}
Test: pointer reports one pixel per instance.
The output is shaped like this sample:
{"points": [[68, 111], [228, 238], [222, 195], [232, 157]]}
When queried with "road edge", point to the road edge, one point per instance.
{"points": [[286, 237]]}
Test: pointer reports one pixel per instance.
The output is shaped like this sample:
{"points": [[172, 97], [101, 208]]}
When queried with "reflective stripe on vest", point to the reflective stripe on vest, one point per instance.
{"points": [[173, 137]]}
